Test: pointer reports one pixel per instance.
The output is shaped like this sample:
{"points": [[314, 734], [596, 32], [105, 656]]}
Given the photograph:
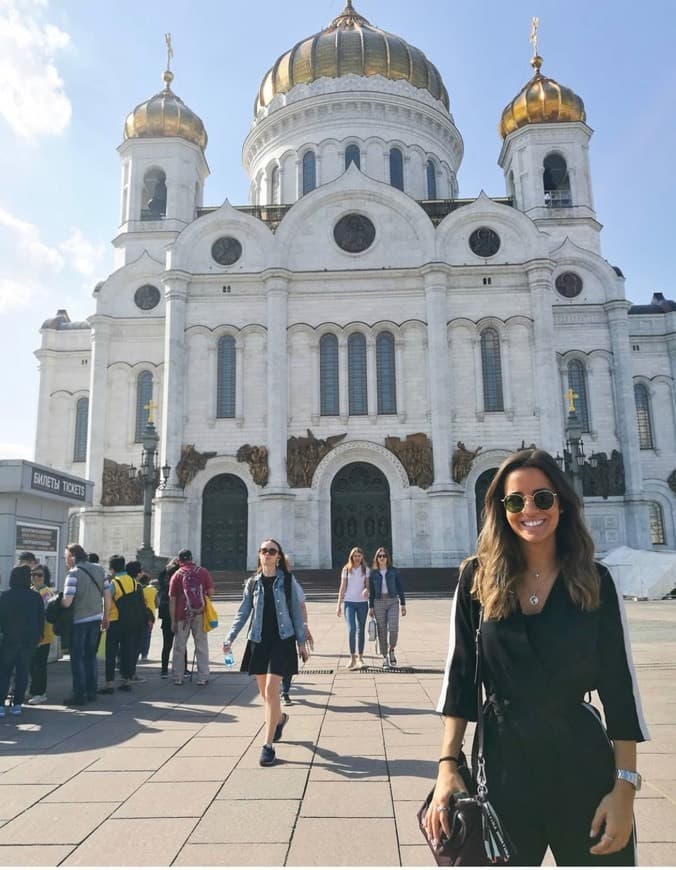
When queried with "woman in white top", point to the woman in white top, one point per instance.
{"points": [[354, 592]]}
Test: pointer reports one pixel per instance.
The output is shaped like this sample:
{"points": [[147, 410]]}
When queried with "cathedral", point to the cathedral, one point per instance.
{"points": [[348, 358]]}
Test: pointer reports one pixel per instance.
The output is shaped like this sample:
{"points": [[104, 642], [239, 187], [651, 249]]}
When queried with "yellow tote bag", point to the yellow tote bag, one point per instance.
{"points": [[209, 616]]}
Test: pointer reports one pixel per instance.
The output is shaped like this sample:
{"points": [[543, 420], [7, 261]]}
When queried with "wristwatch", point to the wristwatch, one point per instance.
{"points": [[629, 776]]}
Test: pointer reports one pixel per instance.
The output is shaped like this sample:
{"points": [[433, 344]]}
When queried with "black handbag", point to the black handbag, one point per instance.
{"points": [[477, 837]]}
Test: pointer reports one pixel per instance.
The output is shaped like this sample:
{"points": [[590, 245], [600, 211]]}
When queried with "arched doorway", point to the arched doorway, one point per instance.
{"points": [[360, 512], [224, 524], [480, 489]]}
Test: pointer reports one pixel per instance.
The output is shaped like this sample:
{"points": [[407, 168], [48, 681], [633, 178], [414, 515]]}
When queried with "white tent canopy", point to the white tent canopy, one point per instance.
{"points": [[642, 573]]}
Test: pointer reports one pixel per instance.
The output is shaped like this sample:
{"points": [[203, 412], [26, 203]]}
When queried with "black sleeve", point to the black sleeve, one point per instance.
{"points": [[618, 687], [458, 694]]}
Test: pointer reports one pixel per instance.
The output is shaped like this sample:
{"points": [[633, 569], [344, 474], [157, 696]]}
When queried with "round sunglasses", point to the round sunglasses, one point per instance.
{"points": [[268, 551], [543, 499]]}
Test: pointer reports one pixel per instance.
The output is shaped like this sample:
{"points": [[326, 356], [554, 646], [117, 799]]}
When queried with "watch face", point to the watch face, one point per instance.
{"points": [[226, 250], [147, 297], [568, 284], [354, 233], [484, 242]]}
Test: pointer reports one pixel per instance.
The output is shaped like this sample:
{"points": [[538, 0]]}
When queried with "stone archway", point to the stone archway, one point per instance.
{"points": [[480, 488], [224, 524], [360, 512]]}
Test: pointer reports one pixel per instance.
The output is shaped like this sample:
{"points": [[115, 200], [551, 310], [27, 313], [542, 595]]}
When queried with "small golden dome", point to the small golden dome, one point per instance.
{"points": [[541, 101], [350, 45], [165, 114]]}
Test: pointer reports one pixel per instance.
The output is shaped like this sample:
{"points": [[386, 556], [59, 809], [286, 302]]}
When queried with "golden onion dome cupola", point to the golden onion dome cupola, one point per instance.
{"points": [[350, 45], [541, 101], [165, 114]]}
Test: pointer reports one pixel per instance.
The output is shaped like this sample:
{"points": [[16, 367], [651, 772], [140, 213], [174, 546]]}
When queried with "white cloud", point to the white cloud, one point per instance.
{"points": [[14, 450], [32, 97], [27, 242], [84, 255]]}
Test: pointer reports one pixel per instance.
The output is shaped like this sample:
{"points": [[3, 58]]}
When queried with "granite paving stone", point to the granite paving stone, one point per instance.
{"points": [[227, 744], [160, 800], [202, 769], [14, 799], [142, 758], [133, 843], [344, 842], [279, 781], [98, 787], [33, 855], [232, 855], [352, 799], [246, 821], [51, 824]]}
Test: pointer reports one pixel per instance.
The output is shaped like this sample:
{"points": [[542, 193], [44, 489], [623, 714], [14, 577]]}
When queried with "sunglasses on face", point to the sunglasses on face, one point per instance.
{"points": [[381, 555], [37, 574], [268, 551], [543, 499]]}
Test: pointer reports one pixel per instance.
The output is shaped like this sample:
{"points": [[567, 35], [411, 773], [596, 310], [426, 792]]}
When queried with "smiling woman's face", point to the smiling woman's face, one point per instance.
{"points": [[532, 525]]}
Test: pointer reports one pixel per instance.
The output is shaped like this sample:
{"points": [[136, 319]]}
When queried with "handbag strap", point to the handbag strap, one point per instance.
{"points": [[478, 760]]}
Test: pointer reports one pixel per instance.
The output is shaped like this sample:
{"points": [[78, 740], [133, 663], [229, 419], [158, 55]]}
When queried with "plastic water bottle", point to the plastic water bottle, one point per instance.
{"points": [[229, 660]]}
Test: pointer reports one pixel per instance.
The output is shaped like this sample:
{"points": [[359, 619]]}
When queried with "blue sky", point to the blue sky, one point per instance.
{"points": [[70, 71]]}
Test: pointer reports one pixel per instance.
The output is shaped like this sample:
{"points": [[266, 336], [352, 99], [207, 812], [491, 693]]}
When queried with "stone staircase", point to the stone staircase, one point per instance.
{"points": [[322, 583]]}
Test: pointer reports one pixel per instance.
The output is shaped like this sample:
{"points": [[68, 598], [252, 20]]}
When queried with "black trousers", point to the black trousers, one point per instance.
{"points": [[546, 777], [120, 643], [39, 670]]}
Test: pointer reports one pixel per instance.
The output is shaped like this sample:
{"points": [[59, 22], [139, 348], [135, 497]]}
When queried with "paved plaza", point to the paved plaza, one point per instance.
{"points": [[170, 774]]}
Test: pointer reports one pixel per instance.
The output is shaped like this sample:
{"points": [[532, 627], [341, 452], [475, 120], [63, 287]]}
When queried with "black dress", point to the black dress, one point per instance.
{"points": [[548, 759], [272, 655]]}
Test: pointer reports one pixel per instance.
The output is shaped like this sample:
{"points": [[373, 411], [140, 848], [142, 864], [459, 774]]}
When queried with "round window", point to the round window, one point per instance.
{"points": [[484, 242], [568, 284], [354, 233], [226, 250], [147, 297]]}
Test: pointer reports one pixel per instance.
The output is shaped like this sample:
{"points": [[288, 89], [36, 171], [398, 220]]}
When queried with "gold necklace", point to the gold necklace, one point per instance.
{"points": [[534, 598]]}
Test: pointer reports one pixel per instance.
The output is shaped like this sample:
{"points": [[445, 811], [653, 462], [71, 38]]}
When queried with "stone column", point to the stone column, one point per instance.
{"points": [[438, 374], [638, 525], [547, 401], [46, 360], [170, 523]]}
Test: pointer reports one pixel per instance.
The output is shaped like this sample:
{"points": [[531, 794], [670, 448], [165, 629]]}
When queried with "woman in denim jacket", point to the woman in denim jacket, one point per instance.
{"points": [[385, 594], [277, 626]]}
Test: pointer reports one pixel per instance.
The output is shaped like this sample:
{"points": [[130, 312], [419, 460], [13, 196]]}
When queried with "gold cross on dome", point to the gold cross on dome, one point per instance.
{"points": [[150, 408], [571, 395], [533, 38], [170, 50]]}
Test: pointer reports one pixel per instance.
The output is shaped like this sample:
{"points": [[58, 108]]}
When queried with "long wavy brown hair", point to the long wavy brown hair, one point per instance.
{"points": [[500, 560], [350, 566]]}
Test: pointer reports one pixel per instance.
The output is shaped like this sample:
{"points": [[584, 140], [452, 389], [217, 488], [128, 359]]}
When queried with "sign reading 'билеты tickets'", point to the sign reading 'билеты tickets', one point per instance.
{"points": [[58, 484]]}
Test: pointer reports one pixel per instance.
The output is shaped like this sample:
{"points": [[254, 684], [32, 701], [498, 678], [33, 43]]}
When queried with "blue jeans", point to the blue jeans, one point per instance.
{"points": [[84, 641], [355, 616]]}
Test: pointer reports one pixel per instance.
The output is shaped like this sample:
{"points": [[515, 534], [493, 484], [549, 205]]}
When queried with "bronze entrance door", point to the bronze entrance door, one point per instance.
{"points": [[360, 512], [224, 524], [480, 489]]}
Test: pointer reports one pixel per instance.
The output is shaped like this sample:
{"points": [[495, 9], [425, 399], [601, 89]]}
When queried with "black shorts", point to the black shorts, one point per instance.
{"points": [[272, 657]]}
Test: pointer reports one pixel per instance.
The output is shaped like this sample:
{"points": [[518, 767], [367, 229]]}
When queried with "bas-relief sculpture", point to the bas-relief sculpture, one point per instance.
{"points": [[606, 479], [190, 463], [303, 455], [415, 454], [117, 489], [461, 462], [671, 480], [257, 460]]}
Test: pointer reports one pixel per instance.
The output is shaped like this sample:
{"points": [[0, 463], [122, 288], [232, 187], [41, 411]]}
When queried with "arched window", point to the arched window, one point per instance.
{"points": [[556, 182], [396, 168], [645, 429], [356, 370], [309, 172], [491, 370], [154, 201], [329, 397], [225, 386], [144, 395], [352, 155], [431, 180], [577, 381], [386, 376], [80, 440], [74, 527], [274, 186], [656, 523]]}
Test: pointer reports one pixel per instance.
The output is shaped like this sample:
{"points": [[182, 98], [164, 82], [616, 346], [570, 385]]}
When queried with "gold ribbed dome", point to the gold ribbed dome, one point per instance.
{"points": [[350, 45], [541, 101], [165, 114]]}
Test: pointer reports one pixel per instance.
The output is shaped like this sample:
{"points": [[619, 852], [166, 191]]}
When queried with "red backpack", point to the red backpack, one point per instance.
{"points": [[193, 591]]}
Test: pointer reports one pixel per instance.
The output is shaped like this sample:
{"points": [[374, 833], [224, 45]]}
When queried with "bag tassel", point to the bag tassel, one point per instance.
{"points": [[495, 840]]}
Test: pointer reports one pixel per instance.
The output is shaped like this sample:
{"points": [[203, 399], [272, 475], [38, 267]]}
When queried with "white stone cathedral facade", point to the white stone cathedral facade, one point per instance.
{"points": [[347, 359]]}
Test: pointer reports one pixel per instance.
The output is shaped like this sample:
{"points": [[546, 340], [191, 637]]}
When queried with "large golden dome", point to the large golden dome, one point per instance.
{"points": [[541, 101], [165, 114], [350, 45]]}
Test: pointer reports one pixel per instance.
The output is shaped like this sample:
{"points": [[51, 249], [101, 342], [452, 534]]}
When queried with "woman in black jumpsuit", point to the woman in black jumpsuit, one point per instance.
{"points": [[551, 768]]}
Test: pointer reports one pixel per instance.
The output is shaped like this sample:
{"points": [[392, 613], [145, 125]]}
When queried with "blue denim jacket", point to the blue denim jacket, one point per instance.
{"points": [[394, 586], [253, 599]]}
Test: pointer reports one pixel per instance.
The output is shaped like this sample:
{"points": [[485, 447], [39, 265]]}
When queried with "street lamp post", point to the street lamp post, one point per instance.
{"points": [[573, 459], [153, 478]]}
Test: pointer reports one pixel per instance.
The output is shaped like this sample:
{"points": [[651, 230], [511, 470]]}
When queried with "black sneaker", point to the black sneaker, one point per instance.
{"points": [[124, 687], [267, 756], [107, 690], [74, 701], [285, 699], [280, 727], [393, 659]]}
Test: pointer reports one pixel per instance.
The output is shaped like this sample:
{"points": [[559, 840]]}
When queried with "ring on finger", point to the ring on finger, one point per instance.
{"points": [[442, 809], [607, 837]]}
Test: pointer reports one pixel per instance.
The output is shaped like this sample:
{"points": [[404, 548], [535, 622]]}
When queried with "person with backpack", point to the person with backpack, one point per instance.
{"points": [[187, 589], [276, 628], [126, 620]]}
